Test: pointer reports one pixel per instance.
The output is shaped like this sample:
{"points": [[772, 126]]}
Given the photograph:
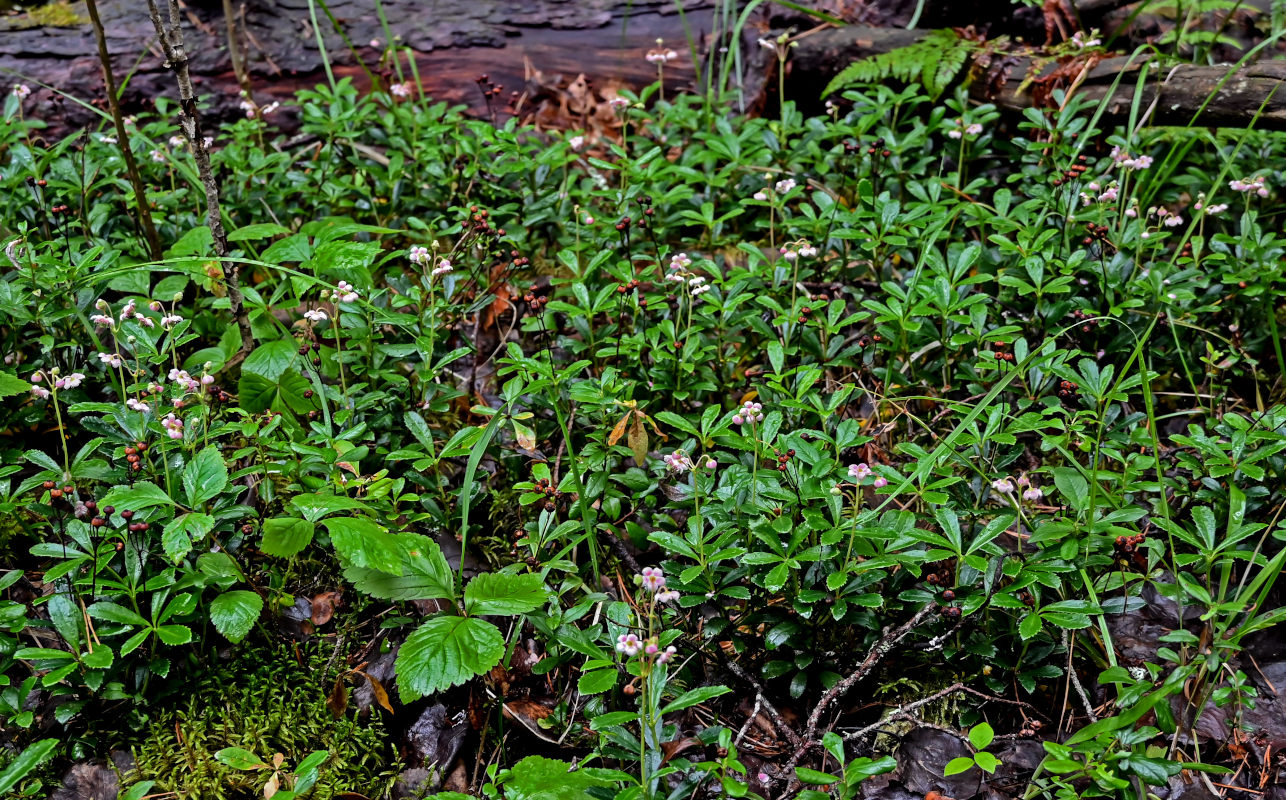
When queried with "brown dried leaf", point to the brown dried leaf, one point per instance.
{"points": [[527, 708], [618, 430], [324, 606], [377, 689], [671, 749], [337, 701], [270, 788]]}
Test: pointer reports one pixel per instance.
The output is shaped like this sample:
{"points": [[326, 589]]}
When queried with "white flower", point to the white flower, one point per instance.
{"points": [[678, 461], [101, 319], [158, 156], [443, 268], [401, 90], [1003, 485], [617, 103], [110, 359], [70, 382], [376, 43], [105, 139], [138, 405], [20, 91], [576, 143], [170, 320], [177, 141], [418, 255], [208, 142], [315, 315], [248, 106], [973, 129], [785, 185], [629, 644], [955, 133], [767, 43], [345, 292], [1033, 494], [760, 196]]}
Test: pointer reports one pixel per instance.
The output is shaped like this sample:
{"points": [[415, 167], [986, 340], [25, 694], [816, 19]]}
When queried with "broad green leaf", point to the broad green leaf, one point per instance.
{"points": [[239, 758], [498, 593], [596, 680], [235, 613], [259, 230], [806, 775], [205, 476], [426, 575], [113, 612], [445, 652], [694, 697], [174, 634], [27, 760], [540, 778], [313, 507], [178, 534], [958, 765], [137, 497], [361, 542], [981, 735], [286, 536], [11, 385]]}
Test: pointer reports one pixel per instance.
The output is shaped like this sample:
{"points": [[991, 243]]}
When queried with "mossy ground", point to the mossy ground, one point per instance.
{"points": [[267, 701]]}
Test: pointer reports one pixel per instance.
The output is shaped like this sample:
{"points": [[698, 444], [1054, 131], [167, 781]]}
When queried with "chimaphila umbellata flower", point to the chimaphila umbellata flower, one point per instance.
{"points": [[678, 461], [1253, 185], [652, 579], [629, 644], [576, 143], [110, 359], [1003, 485], [401, 90], [418, 255], [1033, 494], [177, 141], [785, 185], [443, 267], [173, 426], [138, 405], [345, 293], [21, 91], [859, 472], [880, 482], [315, 315], [749, 413]]}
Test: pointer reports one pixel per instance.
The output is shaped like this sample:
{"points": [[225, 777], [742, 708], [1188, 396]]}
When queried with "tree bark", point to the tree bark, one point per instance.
{"points": [[1172, 95], [171, 38], [122, 136]]}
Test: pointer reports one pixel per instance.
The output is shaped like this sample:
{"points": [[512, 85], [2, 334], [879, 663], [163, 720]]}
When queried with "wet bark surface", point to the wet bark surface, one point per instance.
{"points": [[453, 40]]}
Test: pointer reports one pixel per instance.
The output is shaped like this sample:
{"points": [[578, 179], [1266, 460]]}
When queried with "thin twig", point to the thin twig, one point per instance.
{"points": [[882, 648], [176, 58], [1076, 681], [122, 136], [773, 714]]}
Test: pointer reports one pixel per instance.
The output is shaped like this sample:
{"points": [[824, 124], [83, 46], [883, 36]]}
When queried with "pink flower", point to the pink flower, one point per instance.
{"points": [[880, 482], [629, 644], [110, 359], [1003, 485], [859, 472], [418, 255], [345, 292], [1033, 494], [40, 392], [667, 656], [652, 579], [101, 319]]}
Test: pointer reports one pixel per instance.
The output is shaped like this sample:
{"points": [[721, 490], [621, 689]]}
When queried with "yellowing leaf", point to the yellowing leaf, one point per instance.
{"points": [[618, 431], [638, 440]]}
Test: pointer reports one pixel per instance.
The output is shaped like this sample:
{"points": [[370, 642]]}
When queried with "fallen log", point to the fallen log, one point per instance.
{"points": [[1017, 79], [452, 41]]}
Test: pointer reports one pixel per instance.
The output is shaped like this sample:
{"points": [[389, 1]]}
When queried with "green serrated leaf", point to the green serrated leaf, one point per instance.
{"points": [[445, 652]]}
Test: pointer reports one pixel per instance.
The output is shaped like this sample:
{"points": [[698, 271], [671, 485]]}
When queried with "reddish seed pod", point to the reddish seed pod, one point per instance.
{"points": [[48, 484], [127, 514], [55, 493], [98, 522]]}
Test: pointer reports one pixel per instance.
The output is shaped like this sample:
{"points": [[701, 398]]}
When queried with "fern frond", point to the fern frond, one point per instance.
{"points": [[933, 62]]}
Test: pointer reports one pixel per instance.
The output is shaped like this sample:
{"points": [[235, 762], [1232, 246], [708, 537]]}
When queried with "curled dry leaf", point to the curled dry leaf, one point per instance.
{"points": [[324, 606], [337, 700], [377, 688]]}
